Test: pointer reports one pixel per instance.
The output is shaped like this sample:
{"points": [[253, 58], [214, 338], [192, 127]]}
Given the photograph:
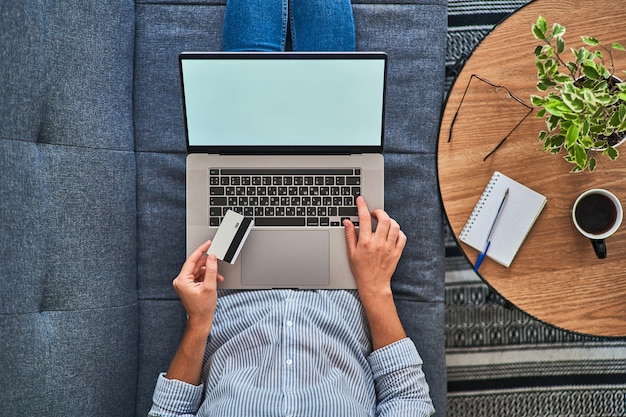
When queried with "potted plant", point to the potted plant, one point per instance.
{"points": [[584, 105]]}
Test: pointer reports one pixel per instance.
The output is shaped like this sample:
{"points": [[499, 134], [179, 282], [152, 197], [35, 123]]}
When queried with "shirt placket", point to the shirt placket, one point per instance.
{"points": [[289, 354]]}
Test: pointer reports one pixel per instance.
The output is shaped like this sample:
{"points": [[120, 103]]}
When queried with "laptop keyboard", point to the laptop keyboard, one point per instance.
{"points": [[285, 197]]}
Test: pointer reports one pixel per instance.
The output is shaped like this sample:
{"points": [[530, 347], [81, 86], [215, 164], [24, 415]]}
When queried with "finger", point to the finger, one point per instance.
{"points": [[365, 218], [401, 242], [201, 250], [383, 223], [196, 256], [196, 260], [198, 270], [394, 231], [351, 239], [210, 273]]}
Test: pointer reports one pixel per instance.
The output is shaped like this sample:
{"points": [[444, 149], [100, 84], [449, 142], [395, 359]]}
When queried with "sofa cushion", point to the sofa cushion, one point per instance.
{"points": [[68, 303]]}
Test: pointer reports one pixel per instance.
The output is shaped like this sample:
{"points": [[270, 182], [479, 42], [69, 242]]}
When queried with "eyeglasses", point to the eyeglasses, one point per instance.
{"points": [[509, 94]]}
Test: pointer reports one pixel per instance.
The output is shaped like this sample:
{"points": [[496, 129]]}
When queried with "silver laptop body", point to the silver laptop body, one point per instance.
{"points": [[251, 119]]}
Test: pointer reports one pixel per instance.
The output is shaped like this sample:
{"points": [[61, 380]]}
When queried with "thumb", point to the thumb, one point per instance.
{"points": [[210, 273], [351, 239]]}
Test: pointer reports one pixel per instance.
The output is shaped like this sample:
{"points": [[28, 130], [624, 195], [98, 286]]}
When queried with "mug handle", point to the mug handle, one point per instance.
{"points": [[599, 247]]}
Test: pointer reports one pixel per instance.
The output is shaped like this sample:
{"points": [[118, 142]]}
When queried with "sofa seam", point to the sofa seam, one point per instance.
{"points": [[121, 306]]}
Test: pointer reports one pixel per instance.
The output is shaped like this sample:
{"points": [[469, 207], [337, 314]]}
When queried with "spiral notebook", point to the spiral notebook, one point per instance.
{"points": [[519, 213]]}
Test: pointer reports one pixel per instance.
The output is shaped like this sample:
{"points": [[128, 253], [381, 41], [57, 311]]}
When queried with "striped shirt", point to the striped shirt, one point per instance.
{"points": [[297, 353]]}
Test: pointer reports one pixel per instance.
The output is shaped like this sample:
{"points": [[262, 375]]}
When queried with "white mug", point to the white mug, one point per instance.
{"points": [[597, 214]]}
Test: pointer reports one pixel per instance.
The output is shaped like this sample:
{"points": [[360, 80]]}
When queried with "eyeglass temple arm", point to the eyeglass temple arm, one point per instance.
{"points": [[530, 110]]}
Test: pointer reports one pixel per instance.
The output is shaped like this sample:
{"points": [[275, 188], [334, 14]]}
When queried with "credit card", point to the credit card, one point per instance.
{"points": [[230, 237]]}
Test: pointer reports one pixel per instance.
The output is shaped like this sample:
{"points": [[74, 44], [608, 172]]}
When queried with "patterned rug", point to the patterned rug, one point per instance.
{"points": [[500, 361]]}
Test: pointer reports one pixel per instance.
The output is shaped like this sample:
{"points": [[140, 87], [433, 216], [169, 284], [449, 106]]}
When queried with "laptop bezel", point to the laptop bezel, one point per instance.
{"points": [[284, 150]]}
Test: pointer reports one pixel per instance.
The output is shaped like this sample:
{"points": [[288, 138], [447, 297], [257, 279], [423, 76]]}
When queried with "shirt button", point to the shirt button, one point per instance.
{"points": [[289, 323], [288, 362]]}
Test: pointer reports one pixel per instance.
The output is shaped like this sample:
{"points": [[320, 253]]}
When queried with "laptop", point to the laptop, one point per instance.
{"points": [[288, 139]]}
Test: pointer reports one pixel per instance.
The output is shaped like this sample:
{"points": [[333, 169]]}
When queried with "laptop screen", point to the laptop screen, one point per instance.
{"points": [[283, 102]]}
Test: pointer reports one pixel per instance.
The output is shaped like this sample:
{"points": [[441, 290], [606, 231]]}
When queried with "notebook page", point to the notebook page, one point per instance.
{"points": [[519, 212]]}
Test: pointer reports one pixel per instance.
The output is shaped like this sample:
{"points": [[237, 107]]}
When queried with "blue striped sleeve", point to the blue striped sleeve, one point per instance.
{"points": [[175, 398], [401, 387]]}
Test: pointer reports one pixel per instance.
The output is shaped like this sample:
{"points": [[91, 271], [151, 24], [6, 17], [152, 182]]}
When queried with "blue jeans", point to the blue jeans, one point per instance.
{"points": [[263, 25]]}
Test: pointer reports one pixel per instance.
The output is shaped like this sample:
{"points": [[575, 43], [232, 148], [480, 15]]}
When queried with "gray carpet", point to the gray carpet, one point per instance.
{"points": [[500, 361]]}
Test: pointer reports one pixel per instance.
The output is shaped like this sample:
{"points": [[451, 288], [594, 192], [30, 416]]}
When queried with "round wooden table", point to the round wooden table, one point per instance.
{"points": [[555, 276]]}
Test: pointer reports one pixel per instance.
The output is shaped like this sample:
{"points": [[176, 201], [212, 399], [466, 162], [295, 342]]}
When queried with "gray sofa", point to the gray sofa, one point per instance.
{"points": [[92, 173]]}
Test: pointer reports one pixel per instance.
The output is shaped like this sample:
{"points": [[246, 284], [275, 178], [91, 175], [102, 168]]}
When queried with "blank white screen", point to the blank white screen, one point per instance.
{"points": [[284, 102]]}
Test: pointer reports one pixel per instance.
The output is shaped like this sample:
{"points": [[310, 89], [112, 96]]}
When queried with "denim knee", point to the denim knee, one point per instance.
{"points": [[261, 25], [322, 25], [255, 25]]}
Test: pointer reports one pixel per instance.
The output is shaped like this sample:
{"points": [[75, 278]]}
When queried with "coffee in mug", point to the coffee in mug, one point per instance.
{"points": [[597, 214]]}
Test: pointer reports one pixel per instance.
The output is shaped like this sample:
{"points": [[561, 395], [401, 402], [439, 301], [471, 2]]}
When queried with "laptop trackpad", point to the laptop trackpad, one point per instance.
{"points": [[286, 259]]}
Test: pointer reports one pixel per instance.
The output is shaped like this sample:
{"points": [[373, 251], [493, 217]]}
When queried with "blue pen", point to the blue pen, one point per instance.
{"points": [[482, 255]]}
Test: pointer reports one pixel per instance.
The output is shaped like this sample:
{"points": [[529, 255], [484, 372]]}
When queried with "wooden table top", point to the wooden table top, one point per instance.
{"points": [[555, 276]]}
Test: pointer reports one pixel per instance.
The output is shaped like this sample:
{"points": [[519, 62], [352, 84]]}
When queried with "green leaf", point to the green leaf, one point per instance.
{"points": [[590, 72], [592, 164], [537, 101], [618, 46], [598, 129], [556, 142], [560, 44], [599, 144], [541, 25], [612, 153], [557, 30], [603, 98], [574, 102], [579, 54], [543, 137], [589, 97], [597, 117], [551, 67], [544, 84], [586, 142], [584, 131], [599, 85], [547, 51], [572, 67], [541, 69], [561, 78], [580, 156], [589, 40], [557, 108], [538, 33], [614, 120], [572, 136], [552, 122], [538, 50]]}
